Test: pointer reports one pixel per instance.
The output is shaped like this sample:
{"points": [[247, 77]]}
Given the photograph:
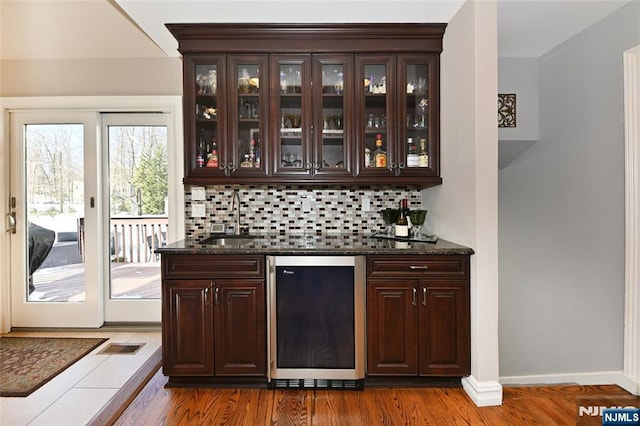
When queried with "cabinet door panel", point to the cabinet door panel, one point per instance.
{"points": [[375, 114], [240, 328], [205, 115], [248, 124], [187, 328], [391, 328], [443, 328], [291, 115], [333, 105], [418, 104]]}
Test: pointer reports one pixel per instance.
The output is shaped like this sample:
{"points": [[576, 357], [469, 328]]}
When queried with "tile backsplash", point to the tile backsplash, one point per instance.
{"points": [[298, 209]]}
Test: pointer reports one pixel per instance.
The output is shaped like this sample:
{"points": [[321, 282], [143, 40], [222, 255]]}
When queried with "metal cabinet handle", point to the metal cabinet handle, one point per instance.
{"points": [[316, 166], [413, 301], [206, 295], [424, 296], [418, 268], [217, 296], [228, 168]]}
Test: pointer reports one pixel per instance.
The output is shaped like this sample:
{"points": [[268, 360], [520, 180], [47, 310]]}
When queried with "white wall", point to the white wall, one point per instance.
{"points": [[562, 214], [520, 76], [91, 77], [464, 208]]}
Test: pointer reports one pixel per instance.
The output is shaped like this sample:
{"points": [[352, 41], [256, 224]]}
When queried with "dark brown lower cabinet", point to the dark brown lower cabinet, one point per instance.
{"points": [[213, 327], [418, 321]]}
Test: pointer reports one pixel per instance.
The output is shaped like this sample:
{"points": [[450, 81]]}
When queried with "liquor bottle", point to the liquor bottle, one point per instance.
{"points": [[402, 222], [380, 155], [367, 157], [412, 154], [200, 154], [256, 163], [213, 160], [423, 158], [246, 162], [252, 152]]}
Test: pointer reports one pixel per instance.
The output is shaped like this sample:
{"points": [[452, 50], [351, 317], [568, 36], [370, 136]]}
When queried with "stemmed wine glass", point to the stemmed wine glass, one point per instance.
{"points": [[389, 216], [417, 219]]}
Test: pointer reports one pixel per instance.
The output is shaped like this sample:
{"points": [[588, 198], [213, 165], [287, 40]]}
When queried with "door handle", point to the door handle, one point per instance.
{"points": [[12, 222]]}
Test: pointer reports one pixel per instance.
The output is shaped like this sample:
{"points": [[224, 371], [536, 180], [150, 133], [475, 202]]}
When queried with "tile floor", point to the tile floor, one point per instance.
{"points": [[78, 393]]}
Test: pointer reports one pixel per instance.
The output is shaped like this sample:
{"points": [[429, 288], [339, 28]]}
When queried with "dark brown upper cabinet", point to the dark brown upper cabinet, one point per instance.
{"points": [[307, 103]]}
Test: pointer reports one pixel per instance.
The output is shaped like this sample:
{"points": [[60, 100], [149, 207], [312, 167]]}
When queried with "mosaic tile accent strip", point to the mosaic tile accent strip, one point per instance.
{"points": [[298, 209]]}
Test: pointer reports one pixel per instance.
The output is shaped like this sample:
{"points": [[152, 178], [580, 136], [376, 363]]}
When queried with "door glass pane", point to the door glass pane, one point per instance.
{"points": [[248, 141], [138, 182], [208, 150], [291, 148], [332, 150], [375, 116], [55, 212], [417, 119]]}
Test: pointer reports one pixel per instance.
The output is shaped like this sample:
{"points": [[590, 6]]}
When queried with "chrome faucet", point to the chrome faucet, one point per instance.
{"points": [[236, 197]]}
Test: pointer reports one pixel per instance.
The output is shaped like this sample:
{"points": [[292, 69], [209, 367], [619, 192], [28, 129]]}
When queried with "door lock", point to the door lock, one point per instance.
{"points": [[12, 222]]}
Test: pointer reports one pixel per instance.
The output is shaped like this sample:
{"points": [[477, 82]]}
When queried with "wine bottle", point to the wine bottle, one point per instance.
{"points": [[402, 222]]}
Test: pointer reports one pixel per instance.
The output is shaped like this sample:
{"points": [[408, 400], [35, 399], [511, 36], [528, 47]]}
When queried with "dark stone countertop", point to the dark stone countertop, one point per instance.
{"points": [[329, 244]]}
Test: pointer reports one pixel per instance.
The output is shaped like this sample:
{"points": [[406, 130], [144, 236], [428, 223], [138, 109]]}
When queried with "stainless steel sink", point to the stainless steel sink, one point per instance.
{"points": [[228, 240]]}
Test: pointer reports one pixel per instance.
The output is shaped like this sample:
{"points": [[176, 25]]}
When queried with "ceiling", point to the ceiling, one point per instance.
{"points": [[39, 29]]}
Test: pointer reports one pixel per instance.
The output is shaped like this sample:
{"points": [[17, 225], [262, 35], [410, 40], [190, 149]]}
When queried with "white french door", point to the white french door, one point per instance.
{"points": [[55, 271], [135, 200], [90, 194]]}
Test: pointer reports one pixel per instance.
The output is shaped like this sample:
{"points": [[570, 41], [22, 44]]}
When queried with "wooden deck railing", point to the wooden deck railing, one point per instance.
{"points": [[135, 238]]}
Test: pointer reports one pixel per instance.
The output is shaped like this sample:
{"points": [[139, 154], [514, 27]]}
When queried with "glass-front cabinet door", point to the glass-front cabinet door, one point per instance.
{"points": [[206, 132], [376, 151], [291, 114], [418, 85], [333, 102], [248, 86]]}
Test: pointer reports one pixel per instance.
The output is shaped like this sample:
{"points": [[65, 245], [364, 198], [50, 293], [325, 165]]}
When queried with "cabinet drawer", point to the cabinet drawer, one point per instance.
{"points": [[418, 266], [212, 266]]}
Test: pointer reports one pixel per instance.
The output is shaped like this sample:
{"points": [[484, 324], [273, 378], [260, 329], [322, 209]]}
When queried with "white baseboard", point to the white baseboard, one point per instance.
{"points": [[483, 394], [591, 378], [630, 385]]}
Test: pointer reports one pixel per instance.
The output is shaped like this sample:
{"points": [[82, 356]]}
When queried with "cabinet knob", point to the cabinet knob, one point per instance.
{"points": [[308, 166], [392, 167], [316, 166]]}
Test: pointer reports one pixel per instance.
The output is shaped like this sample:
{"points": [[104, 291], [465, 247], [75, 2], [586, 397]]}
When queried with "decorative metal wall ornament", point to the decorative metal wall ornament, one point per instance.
{"points": [[506, 110]]}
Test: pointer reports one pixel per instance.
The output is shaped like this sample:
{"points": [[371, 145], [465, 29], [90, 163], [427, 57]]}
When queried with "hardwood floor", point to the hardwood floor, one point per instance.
{"points": [[543, 405]]}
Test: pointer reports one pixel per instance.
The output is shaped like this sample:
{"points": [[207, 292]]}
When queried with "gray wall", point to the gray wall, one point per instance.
{"points": [[562, 213]]}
